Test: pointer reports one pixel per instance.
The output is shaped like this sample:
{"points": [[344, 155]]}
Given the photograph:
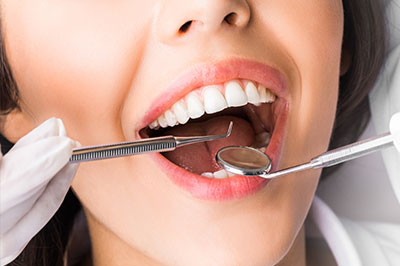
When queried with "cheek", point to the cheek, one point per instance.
{"points": [[311, 33], [78, 69]]}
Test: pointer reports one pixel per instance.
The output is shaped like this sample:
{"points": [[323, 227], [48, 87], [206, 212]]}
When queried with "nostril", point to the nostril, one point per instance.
{"points": [[185, 27], [231, 18]]}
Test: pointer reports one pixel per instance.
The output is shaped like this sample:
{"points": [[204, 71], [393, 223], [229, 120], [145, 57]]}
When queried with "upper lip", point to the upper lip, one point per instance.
{"points": [[215, 73]]}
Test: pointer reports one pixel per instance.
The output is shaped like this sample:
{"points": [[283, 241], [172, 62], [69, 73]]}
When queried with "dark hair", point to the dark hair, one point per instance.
{"points": [[364, 35]]}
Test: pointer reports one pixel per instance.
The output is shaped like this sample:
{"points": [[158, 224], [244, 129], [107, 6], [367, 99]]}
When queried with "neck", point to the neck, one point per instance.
{"points": [[296, 256], [109, 249]]}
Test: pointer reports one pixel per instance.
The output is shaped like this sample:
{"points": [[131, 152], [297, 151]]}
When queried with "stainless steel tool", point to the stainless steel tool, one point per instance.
{"points": [[252, 162], [159, 144]]}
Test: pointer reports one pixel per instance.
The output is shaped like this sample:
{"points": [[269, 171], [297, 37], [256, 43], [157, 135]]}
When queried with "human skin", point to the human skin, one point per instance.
{"points": [[99, 65]]}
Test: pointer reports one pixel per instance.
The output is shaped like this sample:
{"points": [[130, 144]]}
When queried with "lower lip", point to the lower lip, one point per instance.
{"points": [[235, 187]]}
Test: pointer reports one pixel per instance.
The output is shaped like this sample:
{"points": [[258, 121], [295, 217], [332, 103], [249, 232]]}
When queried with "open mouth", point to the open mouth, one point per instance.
{"points": [[258, 113], [208, 111]]}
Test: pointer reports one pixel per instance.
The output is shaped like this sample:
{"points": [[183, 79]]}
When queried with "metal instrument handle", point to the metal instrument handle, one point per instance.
{"points": [[100, 152], [353, 151]]}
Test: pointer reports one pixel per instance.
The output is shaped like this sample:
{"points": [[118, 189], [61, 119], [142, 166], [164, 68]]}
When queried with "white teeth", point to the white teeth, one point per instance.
{"points": [[230, 174], [270, 96], [266, 95], [209, 99], [208, 174], [221, 174], [180, 112], [262, 91], [214, 101], [162, 121], [154, 125], [195, 107], [170, 117], [234, 94], [252, 93]]}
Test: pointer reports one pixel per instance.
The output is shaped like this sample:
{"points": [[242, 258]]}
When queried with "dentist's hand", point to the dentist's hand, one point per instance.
{"points": [[395, 130], [34, 178]]}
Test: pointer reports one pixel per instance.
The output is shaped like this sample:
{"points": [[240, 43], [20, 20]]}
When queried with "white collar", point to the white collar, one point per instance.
{"points": [[334, 233]]}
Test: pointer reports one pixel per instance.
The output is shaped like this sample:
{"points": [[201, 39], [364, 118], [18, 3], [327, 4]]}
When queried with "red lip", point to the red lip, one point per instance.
{"points": [[216, 73]]}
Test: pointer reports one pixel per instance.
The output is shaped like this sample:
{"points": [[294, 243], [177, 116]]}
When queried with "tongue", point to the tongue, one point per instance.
{"points": [[200, 158]]}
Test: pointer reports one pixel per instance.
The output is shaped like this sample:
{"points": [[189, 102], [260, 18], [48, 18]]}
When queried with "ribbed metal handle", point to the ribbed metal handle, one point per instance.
{"points": [[122, 149]]}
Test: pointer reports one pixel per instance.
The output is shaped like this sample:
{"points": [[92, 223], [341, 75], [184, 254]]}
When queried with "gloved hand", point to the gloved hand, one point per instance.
{"points": [[34, 178], [395, 129]]}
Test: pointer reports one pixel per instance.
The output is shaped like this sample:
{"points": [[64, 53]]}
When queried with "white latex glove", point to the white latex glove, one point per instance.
{"points": [[395, 130], [34, 179]]}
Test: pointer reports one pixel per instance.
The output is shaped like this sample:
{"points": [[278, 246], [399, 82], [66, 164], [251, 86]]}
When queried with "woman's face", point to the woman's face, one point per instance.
{"points": [[110, 68]]}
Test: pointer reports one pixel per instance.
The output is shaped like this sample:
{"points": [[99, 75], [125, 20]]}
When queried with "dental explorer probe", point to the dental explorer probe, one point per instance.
{"points": [[158, 144], [248, 161]]}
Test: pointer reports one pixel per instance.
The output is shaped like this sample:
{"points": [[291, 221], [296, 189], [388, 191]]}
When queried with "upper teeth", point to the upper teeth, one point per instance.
{"points": [[212, 99]]}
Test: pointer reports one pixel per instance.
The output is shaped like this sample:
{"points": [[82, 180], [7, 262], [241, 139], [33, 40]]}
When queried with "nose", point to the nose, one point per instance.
{"points": [[178, 18]]}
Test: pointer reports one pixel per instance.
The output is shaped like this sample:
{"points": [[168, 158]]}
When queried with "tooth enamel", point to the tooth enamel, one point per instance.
{"points": [[266, 96], [230, 174], [209, 99], [214, 101], [208, 174], [162, 121], [154, 124], [262, 91], [195, 107], [270, 96], [234, 94], [180, 112], [221, 174], [170, 117], [252, 93]]}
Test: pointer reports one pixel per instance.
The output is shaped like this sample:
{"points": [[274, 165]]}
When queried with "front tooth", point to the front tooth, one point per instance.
{"points": [[195, 107], [252, 93], [180, 112], [221, 174], [170, 117], [214, 101], [208, 174], [162, 121], [234, 94]]}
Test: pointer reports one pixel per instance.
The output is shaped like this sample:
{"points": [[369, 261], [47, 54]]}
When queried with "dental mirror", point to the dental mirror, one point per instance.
{"points": [[243, 160], [251, 162]]}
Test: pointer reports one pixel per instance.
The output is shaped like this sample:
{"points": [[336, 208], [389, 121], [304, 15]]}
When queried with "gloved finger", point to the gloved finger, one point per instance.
{"points": [[42, 160], [51, 127], [13, 241], [395, 129], [14, 214]]}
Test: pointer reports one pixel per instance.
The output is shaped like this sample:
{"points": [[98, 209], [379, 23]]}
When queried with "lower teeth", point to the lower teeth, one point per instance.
{"points": [[221, 174]]}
